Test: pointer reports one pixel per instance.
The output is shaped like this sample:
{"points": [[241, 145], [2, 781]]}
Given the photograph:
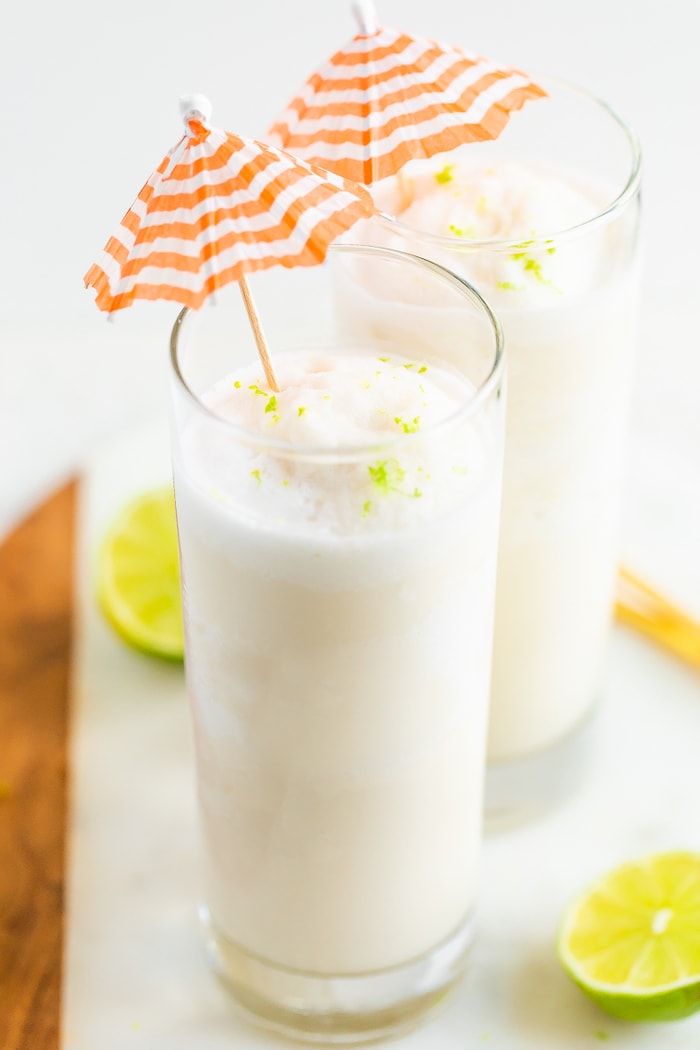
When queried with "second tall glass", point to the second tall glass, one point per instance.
{"points": [[544, 222]]}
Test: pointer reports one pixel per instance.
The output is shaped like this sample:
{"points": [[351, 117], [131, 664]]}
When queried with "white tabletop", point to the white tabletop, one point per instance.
{"points": [[135, 973]]}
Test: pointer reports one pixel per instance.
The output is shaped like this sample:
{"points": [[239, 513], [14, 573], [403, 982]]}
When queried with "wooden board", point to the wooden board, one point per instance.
{"points": [[36, 595]]}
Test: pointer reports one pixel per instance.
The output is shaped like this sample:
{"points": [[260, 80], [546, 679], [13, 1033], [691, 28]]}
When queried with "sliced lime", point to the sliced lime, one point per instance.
{"points": [[138, 585], [632, 941]]}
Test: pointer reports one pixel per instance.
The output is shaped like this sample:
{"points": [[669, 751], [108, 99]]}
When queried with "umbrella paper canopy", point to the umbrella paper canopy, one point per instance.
{"points": [[387, 98], [218, 207]]}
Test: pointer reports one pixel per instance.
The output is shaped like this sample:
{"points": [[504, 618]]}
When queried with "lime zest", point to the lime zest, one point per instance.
{"points": [[257, 475], [387, 475], [406, 426], [464, 232], [271, 405], [533, 266], [237, 384], [445, 176]]}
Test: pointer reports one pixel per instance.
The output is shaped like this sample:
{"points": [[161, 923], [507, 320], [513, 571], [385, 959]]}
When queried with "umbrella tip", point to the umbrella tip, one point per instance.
{"points": [[366, 14], [195, 107]]}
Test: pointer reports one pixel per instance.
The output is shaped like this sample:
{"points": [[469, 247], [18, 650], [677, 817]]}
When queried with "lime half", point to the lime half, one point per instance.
{"points": [[632, 941], [138, 585]]}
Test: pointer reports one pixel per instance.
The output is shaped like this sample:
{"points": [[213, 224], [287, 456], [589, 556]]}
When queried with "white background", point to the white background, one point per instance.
{"points": [[89, 105]]}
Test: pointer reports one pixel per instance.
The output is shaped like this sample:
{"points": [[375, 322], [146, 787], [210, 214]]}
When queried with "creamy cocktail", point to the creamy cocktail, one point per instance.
{"points": [[338, 547], [550, 240]]}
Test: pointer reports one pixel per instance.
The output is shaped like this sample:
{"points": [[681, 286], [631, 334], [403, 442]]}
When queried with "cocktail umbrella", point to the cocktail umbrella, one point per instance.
{"points": [[387, 98], [218, 207]]}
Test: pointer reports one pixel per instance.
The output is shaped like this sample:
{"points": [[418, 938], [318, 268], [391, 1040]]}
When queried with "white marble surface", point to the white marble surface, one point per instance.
{"points": [[135, 973]]}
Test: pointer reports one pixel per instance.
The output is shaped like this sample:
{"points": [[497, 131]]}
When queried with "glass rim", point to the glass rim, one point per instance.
{"points": [[603, 216], [470, 407]]}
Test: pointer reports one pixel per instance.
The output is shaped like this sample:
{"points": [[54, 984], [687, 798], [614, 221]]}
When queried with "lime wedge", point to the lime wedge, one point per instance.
{"points": [[632, 941], [138, 580]]}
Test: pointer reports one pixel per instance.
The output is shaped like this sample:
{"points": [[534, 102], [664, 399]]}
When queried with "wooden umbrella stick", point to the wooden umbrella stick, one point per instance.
{"points": [[259, 335]]}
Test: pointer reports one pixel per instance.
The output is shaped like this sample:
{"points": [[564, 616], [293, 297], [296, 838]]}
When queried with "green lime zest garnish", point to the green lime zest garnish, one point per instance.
{"points": [[408, 427], [422, 369], [301, 410], [444, 176], [256, 390], [257, 475], [237, 384], [508, 286], [522, 247], [458, 231], [533, 266], [366, 507], [271, 405], [384, 359], [387, 475]]}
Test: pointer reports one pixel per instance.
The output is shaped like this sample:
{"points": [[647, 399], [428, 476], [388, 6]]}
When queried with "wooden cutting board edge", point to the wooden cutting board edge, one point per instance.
{"points": [[36, 631]]}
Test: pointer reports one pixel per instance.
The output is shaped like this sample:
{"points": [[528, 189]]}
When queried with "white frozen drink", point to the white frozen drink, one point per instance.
{"points": [[338, 609], [568, 306]]}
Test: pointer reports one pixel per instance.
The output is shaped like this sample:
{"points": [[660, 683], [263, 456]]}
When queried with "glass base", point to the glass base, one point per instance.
{"points": [[339, 1010], [518, 789]]}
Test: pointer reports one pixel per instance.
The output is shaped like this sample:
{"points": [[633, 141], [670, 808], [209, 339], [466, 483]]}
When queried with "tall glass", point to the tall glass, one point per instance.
{"points": [[338, 597], [544, 222]]}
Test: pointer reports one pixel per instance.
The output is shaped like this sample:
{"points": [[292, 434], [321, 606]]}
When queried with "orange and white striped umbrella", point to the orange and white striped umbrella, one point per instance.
{"points": [[387, 98], [218, 207]]}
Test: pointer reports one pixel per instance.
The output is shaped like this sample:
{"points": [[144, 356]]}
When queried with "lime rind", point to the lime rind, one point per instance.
{"points": [[636, 997]]}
